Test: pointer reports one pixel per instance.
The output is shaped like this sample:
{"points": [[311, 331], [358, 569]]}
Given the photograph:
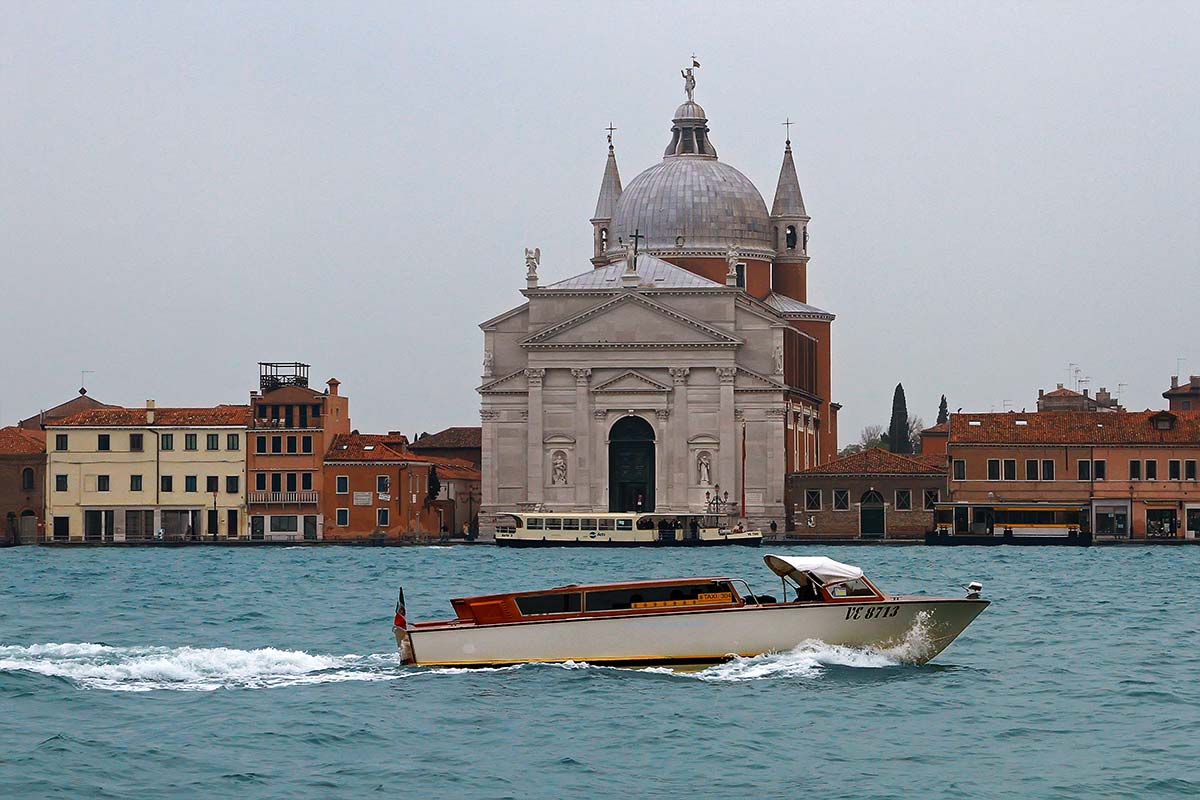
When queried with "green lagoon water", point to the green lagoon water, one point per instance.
{"points": [[272, 673]]}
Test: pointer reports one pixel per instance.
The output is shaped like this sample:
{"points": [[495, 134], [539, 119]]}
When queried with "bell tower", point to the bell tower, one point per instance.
{"points": [[610, 192], [789, 227]]}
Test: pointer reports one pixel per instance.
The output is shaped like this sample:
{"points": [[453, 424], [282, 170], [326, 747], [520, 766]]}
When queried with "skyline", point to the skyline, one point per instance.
{"points": [[284, 170]]}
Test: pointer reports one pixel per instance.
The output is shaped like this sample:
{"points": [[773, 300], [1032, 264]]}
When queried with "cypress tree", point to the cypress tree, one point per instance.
{"points": [[943, 412], [898, 441], [433, 487]]}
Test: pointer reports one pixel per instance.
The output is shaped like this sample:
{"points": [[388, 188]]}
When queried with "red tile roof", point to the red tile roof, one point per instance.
{"points": [[379, 447], [1061, 392], [16, 441], [117, 417], [1184, 389], [935, 430], [463, 438], [1075, 427], [876, 461]]}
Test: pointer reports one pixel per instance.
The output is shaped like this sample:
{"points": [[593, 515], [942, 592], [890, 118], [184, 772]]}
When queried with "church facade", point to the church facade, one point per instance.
{"points": [[684, 371]]}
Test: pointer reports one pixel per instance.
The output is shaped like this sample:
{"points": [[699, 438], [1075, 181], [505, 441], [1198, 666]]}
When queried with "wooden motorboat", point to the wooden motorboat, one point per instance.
{"points": [[688, 620]]}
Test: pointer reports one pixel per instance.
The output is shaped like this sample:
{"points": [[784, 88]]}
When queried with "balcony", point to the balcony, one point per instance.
{"points": [[283, 498], [312, 424]]}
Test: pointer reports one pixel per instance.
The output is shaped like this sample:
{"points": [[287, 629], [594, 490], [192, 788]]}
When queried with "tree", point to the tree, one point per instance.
{"points": [[434, 485], [898, 438], [943, 412], [915, 426], [871, 436]]}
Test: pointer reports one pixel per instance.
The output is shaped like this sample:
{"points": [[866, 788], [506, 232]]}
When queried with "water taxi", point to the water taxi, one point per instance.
{"points": [[1009, 523], [688, 620], [631, 529]]}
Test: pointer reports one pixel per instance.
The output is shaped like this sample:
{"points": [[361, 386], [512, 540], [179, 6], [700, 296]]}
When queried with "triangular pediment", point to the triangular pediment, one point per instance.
{"points": [[748, 381], [631, 382], [512, 382], [630, 321]]}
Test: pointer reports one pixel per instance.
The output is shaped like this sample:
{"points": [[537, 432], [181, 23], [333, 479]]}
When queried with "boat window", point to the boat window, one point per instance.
{"points": [[586, 524], [557, 603], [671, 596], [553, 524], [534, 524], [645, 524], [605, 525], [624, 524], [855, 588], [570, 524]]}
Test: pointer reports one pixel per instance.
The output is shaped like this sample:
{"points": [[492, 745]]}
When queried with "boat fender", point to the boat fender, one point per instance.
{"points": [[399, 621]]}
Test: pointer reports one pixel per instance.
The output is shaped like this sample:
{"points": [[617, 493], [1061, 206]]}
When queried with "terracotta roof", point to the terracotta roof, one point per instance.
{"points": [[876, 461], [1187, 389], [76, 404], [936, 430], [117, 417], [363, 447], [1076, 427], [933, 460], [1061, 392], [464, 437], [19, 441]]}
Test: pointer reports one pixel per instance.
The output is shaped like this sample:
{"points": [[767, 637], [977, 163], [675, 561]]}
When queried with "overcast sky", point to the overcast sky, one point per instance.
{"points": [[996, 189]]}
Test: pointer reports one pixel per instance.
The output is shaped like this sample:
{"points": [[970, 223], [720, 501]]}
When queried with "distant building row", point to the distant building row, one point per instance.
{"points": [[286, 466]]}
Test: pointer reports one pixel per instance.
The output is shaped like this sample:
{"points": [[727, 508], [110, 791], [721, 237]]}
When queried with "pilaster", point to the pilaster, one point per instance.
{"points": [[583, 463], [681, 477], [727, 473], [534, 474]]}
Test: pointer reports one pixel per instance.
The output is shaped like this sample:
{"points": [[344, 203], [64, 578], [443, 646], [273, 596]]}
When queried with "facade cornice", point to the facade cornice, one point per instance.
{"points": [[720, 337]]}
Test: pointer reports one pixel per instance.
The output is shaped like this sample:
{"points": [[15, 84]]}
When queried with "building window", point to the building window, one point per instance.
{"points": [[791, 237], [212, 484], [135, 442], [291, 481], [189, 483], [1010, 469], [135, 483], [284, 524], [1084, 470], [233, 441], [27, 479], [812, 499], [932, 498], [342, 517], [166, 483], [102, 442], [167, 442], [383, 484], [1100, 469], [60, 441], [306, 481], [305, 444], [904, 499], [276, 482], [1031, 469], [189, 441], [342, 484], [960, 469], [841, 499], [993, 469], [291, 444], [1047, 469], [276, 444], [260, 444], [232, 484], [102, 483], [212, 441], [381, 517], [60, 483], [260, 481], [1173, 469], [1135, 469], [1151, 469], [741, 276], [1189, 469]]}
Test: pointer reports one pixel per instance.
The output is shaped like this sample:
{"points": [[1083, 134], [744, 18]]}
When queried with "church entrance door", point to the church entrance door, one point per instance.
{"points": [[631, 465]]}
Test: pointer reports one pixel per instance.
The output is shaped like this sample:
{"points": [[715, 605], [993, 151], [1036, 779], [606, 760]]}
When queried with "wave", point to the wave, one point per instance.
{"points": [[142, 669]]}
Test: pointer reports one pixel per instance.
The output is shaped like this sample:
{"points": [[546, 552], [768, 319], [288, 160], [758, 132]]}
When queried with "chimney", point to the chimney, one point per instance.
{"points": [[149, 412], [1174, 381], [1060, 386], [1195, 381], [333, 384], [1085, 392], [1041, 393]]}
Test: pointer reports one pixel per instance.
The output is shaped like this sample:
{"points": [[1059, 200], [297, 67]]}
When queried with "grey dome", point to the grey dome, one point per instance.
{"points": [[691, 110], [709, 203]]}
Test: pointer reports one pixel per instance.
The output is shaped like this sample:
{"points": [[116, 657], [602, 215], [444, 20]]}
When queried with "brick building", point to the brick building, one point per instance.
{"points": [[871, 495], [22, 484], [1136, 471], [1062, 399], [291, 428], [460, 443], [1185, 397]]}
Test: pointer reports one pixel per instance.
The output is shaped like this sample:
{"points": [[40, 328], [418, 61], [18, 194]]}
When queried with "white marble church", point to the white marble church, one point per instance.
{"points": [[687, 368]]}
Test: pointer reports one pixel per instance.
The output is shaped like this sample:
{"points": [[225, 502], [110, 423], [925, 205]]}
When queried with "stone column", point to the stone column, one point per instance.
{"points": [[583, 464], [665, 463], [776, 454], [727, 471], [534, 479], [600, 459], [681, 476], [489, 488]]}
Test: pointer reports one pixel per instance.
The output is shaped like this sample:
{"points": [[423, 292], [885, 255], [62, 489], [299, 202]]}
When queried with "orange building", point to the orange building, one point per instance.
{"points": [[291, 428], [1137, 471], [22, 484]]}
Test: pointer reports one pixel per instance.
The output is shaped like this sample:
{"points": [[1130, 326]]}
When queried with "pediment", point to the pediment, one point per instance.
{"points": [[748, 381], [630, 321], [631, 382], [512, 382]]}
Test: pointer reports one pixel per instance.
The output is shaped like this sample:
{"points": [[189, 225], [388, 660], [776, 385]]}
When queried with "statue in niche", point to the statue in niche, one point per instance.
{"points": [[489, 362], [779, 360], [558, 469], [704, 468]]}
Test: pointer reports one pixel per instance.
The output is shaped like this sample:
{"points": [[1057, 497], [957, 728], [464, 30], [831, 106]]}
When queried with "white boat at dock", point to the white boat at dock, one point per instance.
{"points": [[629, 529]]}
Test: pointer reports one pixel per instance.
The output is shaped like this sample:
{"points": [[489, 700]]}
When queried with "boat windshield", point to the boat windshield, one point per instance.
{"points": [[853, 588]]}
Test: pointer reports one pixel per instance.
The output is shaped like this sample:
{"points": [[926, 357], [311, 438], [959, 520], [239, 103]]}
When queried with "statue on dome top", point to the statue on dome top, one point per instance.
{"points": [[689, 83]]}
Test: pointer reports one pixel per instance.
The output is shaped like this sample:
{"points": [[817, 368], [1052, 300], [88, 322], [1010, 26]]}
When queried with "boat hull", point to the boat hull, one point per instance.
{"points": [[915, 629]]}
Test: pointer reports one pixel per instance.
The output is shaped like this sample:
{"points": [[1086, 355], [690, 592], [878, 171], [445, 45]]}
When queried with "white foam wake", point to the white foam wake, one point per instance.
{"points": [[141, 669]]}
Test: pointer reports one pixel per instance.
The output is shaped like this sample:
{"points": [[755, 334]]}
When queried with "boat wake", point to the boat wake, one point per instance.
{"points": [[198, 669]]}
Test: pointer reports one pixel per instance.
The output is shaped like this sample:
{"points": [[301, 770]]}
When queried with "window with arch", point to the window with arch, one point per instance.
{"points": [[791, 237], [603, 239], [741, 276], [27, 479]]}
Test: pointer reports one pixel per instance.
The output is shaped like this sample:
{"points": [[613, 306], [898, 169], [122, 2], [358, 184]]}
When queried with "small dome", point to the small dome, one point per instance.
{"points": [[690, 110]]}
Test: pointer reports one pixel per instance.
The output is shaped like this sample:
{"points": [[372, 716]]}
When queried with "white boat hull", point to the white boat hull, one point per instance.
{"points": [[916, 629]]}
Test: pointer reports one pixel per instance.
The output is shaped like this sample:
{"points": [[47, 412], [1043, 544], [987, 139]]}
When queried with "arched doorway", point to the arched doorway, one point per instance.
{"points": [[631, 465], [871, 514]]}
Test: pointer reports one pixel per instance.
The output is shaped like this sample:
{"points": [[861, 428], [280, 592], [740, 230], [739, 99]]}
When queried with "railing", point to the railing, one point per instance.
{"points": [[281, 425], [284, 498]]}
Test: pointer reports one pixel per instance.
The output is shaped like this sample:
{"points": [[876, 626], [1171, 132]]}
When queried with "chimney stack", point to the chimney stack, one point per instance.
{"points": [[1174, 381], [333, 384], [149, 412], [1041, 393]]}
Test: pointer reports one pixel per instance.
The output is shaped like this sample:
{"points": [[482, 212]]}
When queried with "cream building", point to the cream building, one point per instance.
{"points": [[127, 474]]}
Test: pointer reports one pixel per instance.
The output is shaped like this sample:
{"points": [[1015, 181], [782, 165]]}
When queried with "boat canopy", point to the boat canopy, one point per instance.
{"points": [[826, 570]]}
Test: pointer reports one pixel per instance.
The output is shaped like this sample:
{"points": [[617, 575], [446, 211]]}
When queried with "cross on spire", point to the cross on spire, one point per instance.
{"points": [[610, 130], [636, 236], [787, 126]]}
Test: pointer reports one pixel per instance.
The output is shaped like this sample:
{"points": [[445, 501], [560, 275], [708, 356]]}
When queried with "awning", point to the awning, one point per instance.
{"points": [[826, 570]]}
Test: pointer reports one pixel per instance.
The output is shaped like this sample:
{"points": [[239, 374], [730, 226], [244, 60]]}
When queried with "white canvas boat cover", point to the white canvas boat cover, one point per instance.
{"points": [[826, 570]]}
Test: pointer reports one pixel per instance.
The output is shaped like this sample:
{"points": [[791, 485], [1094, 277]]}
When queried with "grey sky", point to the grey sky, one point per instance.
{"points": [[996, 189]]}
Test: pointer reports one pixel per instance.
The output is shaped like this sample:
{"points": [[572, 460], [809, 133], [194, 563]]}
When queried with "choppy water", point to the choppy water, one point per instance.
{"points": [[273, 673]]}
